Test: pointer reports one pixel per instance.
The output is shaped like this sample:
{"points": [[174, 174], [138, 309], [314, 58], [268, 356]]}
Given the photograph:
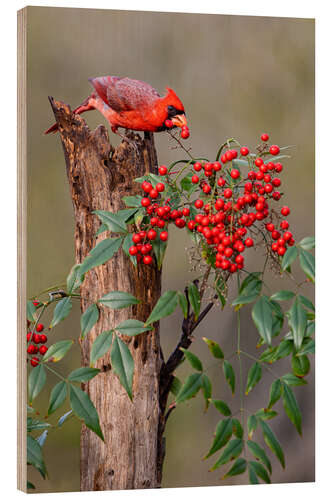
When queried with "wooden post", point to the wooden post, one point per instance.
{"points": [[132, 454]]}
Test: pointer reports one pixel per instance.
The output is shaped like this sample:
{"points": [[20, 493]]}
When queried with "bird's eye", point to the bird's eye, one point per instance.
{"points": [[172, 110]]}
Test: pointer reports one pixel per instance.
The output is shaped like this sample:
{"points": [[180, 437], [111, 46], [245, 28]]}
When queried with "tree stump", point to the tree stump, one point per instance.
{"points": [[132, 454]]}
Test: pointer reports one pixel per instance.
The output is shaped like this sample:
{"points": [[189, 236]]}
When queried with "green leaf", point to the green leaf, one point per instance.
{"points": [[30, 486], [206, 389], [61, 311], [133, 201], [84, 409], [265, 414], [307, 348], [283, 295], [292, 380], [237, 428], [194, 298], [123, 364], [100, 346], [260, 471], [126, 214], [307, 243], [251, 285], [252, 423], [190, 388], [64, 417], [262, 315], [289, 258], [183, 303], [232, 450], [83, 374], [300, 365], [268, 356], [284, 349], [306, 302], [101, 253], [114, 223], [291, 407], [88, 319], [58, 350], [238, 468], [75, 278], [192, 359], [307, 262], [31, 311], [223, 433], [34, 424], [272, 442], [159, 249], [35, 455], [222, 407], [259, 453], [297, 322], [42, 438], [275, 392], [165, 306], [175, 386], [102, 228], [244, 299], [229, 375], [214, 348], [127, 243], [253, 377], [252, 475], [36, 381], [118, 300], [132, 327], [57, 396]]}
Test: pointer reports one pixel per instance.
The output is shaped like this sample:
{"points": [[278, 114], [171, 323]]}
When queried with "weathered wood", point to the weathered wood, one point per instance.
{"points": [[132, 454]]}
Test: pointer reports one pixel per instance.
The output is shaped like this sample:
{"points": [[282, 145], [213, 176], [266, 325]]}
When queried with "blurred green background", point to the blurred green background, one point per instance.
{"points": [[237, 77]]}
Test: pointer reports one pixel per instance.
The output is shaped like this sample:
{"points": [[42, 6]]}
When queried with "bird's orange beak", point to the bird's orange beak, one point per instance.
{"points": [[179, 120]]}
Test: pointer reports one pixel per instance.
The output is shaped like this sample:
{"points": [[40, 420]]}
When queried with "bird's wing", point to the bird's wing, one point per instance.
{"points": [[124, 94]]}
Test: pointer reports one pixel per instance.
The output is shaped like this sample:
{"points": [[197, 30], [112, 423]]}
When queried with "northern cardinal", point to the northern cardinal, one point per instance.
{"points": [[133, 105]]}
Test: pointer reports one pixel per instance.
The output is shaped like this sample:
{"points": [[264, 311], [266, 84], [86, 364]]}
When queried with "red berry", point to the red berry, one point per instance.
{"points": [[146, 186], [248, 242], [229, 155], [284, 224], [39, 327], [287, 235], [285, 211], [274, 150], [259, 176], [186, 212], [281, 250], [153, 193], [278, 167], [206, 188], [217, 166], [185, 133], [43, 349], [136, 238], [29, 336], [162, 170], [35, 303], [234, 153], [221, 182], [227, 193], [264, 137], [198, 203], [142, 234], [276, 182], [234, 174], [145, 202], [275, 235], [195, 179], [197, 166], [151, 235], [270, 227], [276, 195], [147, 259], [191, 225], [34, 361], [160, 187], [145, 249], [32, 349], [164, 235], [42, 339], [244, 151], [36, 338], [219, 204], [270, 165], [258, 162], [180, 223], [268, 188]]}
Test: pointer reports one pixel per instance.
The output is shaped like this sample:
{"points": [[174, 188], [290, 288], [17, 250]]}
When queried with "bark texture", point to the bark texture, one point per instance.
{"points": [[132, 454]]}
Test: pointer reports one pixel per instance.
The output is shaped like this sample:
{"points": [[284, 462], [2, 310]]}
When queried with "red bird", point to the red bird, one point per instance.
{"points": [[133, 105]]}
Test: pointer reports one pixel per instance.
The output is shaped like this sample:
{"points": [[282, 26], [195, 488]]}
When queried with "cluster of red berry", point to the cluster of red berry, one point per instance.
{"points": [[185, 131], [34, 339], [227, 210]]}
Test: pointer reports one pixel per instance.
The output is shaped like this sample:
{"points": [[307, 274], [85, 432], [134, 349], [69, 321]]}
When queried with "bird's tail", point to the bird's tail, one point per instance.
{"points": [[85, 106]]}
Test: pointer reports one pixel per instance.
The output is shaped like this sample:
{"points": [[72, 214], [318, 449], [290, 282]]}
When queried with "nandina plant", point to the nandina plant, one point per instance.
{"points": [[227, 206]]}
